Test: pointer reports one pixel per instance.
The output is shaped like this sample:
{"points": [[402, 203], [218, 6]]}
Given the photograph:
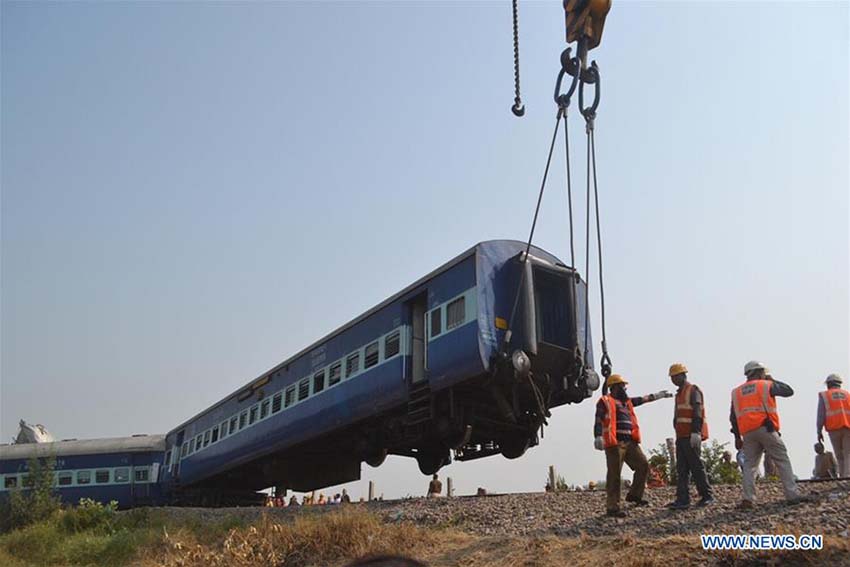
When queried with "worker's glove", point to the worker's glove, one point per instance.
{"points": [[739, 443], [820, 437], [659, 395], [598, 444], [696, 441]]}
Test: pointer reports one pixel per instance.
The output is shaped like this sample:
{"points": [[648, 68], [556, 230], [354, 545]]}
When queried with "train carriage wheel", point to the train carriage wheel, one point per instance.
{"points": [[431, 461], [514, 447], [377, 458]]}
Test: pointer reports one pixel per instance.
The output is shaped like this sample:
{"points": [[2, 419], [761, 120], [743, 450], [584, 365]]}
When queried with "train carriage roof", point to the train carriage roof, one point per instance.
{"points": [[134, 444], [491, 248]]}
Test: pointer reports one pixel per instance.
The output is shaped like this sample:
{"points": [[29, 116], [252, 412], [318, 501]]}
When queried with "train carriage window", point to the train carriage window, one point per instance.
{"points": [[233, 423], [10, 482], [222, 429], [318, 382], [26, 481], [184, 450], [167, 461], [276, 401], [122, 475], [352, 365], [335, 374], [371, 356], [303, 389], [101, 476], [140, 474], [191, 445], [199, 441], [243, 419], [252, 415], [214, 437], [206, 437], [436, 322], [65, 479], [455, 313], [83, 477], [264, 408], [289, 398], [391, 345]]}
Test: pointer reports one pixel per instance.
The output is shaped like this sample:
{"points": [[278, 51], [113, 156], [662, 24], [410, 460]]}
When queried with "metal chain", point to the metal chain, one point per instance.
{"points": [[518, 108]]}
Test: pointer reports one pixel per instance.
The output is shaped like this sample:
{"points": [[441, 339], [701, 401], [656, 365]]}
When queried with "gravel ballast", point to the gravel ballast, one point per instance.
{"points": [[572, 514]]}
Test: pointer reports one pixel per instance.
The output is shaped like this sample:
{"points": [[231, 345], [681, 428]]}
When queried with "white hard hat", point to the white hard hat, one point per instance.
{"points": [[834, 379], [752, 366]]}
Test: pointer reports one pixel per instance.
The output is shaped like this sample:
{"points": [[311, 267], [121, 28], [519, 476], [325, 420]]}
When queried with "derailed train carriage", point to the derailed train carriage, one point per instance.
{"points": [[425, 372], [123, 469]]}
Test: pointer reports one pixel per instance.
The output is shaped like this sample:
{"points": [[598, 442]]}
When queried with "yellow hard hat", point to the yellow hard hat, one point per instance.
{"points": [[615, 379], [678, 368]]}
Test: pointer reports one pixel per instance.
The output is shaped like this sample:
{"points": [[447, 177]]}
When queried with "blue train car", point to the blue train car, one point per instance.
{"points": [[124, 469], [470, 359]]}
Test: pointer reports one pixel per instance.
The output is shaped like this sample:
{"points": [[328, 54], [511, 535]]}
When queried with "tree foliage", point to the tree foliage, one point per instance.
{"points": [[36, 500]]}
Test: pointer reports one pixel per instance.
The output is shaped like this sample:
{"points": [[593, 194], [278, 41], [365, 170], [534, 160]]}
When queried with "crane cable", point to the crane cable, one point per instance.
{"points": [[581, 75]]}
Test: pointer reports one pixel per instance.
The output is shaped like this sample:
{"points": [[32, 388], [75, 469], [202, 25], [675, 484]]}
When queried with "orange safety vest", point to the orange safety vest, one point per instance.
{"points": [[753, 405], [609, 422], [836, 402], [684, 413]]}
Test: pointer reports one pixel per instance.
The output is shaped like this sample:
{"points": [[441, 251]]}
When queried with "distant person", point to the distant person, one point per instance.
{"points": [[346, 499], [616, 431], [322, 499], [481, 491], [293, 500], [691, 430], [825, 465], [435, 487], [755, 424], [834, 415], [337, 499], [269, 502]]}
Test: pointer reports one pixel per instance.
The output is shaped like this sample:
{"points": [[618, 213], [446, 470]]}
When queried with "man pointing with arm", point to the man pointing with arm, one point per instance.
{"points": [[616, 431]]}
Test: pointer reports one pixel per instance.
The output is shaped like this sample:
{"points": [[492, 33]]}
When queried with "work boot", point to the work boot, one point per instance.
{"points": [[637, 502], [615, 513], [745, 505], [678, 505], [705, 501], [799, 500]]}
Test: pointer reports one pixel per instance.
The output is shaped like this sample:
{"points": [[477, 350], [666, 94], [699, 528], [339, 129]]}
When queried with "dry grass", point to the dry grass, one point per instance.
{"points": [[334, 538], [319, 539]]}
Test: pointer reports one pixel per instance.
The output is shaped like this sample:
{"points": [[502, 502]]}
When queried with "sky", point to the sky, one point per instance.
{"points": [[193, 192]]}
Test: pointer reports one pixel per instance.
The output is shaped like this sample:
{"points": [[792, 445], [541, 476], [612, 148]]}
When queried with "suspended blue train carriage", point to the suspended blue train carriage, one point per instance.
{"points": [[426, 372]]}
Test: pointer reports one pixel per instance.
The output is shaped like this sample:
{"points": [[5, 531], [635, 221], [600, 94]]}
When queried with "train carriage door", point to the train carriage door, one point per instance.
{"points": [[418, 347]]}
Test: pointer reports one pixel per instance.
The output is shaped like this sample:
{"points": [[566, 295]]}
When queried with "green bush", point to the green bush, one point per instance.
{"points": [[90, 515], [35, 501], [719, 467]]}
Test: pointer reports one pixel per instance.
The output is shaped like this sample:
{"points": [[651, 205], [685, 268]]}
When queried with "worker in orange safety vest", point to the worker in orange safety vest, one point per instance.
{"points": [[755, 424], [691, 430], [616, 431], [834, 415]]}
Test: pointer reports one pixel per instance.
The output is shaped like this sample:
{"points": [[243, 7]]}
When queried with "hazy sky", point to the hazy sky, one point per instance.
{"points": [[193, 192]]}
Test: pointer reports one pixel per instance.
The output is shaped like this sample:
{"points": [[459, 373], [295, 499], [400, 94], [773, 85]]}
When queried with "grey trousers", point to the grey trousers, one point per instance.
{"points": [[841, 447], [761, 441]]}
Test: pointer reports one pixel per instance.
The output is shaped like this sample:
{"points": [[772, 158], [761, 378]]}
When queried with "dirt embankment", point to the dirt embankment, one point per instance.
{"points": [[518, 529]]}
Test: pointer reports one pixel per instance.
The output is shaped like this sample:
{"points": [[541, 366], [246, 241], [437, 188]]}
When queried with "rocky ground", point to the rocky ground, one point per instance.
{"points": [[573, 514]]}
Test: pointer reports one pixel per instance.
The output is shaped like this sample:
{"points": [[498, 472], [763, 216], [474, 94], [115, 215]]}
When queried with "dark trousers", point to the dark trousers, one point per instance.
{"points": [[627, 452], [689, 462]]}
